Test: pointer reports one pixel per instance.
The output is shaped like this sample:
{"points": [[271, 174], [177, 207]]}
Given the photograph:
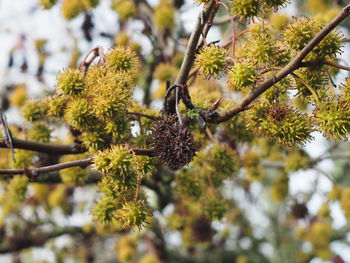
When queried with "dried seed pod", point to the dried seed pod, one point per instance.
{"points": [[172, 142]]}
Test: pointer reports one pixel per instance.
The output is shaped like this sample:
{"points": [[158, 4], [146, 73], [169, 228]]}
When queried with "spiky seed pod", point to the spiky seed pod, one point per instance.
{"points": [[134, 214], [117, 163], [261, 49], [33, 111], [211, 61], [172, 142], [111, 95], [333, 119], [298, 33], [79, 114], [242, 74], [70, 82], [246, 9], [56, 105], [122, 59], [281, 123], [126, 9]]}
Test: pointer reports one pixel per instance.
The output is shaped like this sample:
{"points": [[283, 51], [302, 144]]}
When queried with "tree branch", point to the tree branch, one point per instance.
{"points": [[214, 117], [20, 242], [186, 65], [49, 148], [34, 172], [321, 61]]}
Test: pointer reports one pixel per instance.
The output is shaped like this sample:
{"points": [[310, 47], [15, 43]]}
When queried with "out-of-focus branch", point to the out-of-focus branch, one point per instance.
{"points": [[22, 241], [34, 172], [318, 62], [215, 117]]}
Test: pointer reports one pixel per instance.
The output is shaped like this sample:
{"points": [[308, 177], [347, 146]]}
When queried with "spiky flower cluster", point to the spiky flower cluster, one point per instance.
{"points": [[211, 61], [70, 82], [298, 33], [281, 124], [172, 142], [241, 75], [333, 119], [120, 198], [95, 103], [248, 9]]}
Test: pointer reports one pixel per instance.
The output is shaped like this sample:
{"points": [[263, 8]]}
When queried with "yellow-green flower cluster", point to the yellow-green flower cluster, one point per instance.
{"points": [[281, 124], [249, 9], [95, 103], [121, 199], [302, 30], [121, 59], [242, 74], [333, 119], [211, 61], [70, 82]]}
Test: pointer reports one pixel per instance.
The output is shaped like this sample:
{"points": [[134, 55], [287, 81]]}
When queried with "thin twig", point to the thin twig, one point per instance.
{"points": [[34, 172], [330, 63], [139, 114]]}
